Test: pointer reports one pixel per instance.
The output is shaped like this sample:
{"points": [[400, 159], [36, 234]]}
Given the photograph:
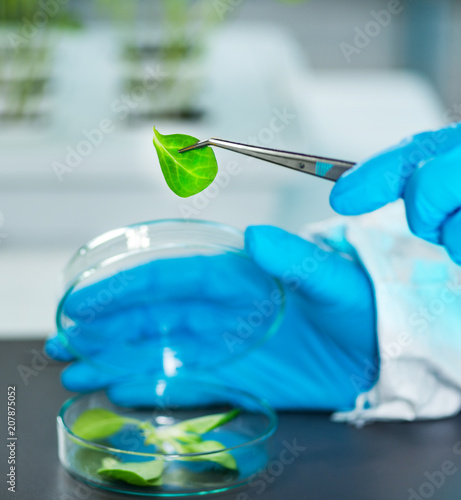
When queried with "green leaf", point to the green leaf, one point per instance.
{"points": [[97, 423], [137, 473], [185, 173], [187, 437], [150, 433], [225, 459], [202, 425]]}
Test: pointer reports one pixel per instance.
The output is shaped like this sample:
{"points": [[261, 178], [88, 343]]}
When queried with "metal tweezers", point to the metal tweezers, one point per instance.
{"points": [[327, 168]]}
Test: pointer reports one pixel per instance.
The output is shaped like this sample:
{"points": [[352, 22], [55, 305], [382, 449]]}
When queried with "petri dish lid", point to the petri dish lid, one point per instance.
{"points": [[166, 297]]}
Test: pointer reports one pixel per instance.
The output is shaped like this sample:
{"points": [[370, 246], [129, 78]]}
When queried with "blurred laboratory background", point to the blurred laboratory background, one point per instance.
{"points": [[82, 83]]}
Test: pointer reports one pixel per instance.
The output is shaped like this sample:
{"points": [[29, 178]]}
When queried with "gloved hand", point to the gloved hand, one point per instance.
{"points": [[425, 171], [320, 357]]}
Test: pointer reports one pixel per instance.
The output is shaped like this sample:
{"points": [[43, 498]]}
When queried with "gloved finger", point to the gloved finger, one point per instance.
{"points": [[382, 179], [83, 377], [82, 342], [115, 364], [451, 236], [56, 348], [433, 193], [219, 278], [323, 276]]}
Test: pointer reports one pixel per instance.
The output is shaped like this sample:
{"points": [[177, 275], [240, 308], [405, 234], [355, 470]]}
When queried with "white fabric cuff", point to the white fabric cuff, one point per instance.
{"points": [[418, 297]]}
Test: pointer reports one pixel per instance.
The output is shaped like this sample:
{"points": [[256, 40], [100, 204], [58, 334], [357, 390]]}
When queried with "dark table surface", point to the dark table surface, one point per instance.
{"points": [[378, 462]]}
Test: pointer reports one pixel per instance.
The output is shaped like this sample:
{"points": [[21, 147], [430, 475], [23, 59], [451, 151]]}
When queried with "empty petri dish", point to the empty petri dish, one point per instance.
{"points": [[166, 296]]}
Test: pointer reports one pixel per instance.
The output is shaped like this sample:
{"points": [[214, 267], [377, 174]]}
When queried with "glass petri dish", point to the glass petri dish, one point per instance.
{"points": [[164, 297], [153, 308], [247, 439]]}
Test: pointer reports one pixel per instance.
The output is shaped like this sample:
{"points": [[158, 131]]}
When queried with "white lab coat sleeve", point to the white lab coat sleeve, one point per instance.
{"points": [[418, 300]]}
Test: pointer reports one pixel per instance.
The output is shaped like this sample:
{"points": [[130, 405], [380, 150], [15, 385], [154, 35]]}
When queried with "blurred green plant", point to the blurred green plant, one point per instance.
{"points": [[119, 11], [171, 34], [21, 11], [25, 52]]}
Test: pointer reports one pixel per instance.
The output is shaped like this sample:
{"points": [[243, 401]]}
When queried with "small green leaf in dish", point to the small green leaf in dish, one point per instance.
{"points": [[224, 459], [185, 173], [137, 473], [150, 433], [202, 425], [97, 423]]}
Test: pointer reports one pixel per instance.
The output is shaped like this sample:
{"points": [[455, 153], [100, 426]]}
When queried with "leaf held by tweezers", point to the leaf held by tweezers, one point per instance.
{"points": [[185, 173]]}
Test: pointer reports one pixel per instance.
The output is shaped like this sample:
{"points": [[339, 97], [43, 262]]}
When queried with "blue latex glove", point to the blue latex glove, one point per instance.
{"points": [[322, 356], [425, 171]]}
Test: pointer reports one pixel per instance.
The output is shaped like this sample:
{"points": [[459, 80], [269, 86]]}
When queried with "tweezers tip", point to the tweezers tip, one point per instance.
{"points": [[197, 145]]}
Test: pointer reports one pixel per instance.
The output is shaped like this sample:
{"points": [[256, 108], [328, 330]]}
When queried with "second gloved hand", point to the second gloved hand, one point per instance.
{"points": [[319, 358], [425, 171]]}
